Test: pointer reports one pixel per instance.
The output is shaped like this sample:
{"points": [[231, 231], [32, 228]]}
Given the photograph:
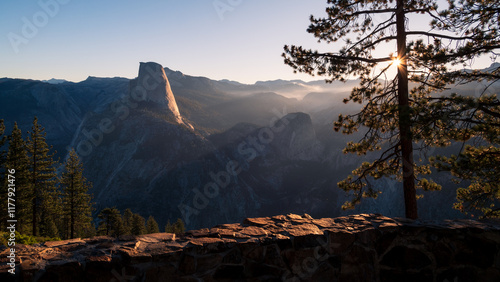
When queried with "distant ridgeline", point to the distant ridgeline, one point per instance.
{"points": [[209, 152]]}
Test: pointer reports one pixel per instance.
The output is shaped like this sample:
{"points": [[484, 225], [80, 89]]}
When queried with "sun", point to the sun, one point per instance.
{"points": [[396, 62]]}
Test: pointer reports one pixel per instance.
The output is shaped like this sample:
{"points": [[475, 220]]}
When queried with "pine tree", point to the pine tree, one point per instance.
{"points": [[48, 225], [3, 139], [179, 227], [44, 195], [3, 179], [169, 228], [393, 117], [138, 225], [127, 221], [76, 202], [89, 231], [17, 159], [111, 222], [473, 118], [152, 225]]}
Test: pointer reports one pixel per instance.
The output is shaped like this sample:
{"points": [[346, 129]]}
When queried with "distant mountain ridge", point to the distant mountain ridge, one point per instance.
{"points": [[172, 145], [55, 81]]}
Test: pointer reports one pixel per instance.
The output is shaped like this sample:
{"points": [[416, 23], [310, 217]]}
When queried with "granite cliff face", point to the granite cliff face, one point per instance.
{"points": [[152, 86], [364, 247], [129, 148]]}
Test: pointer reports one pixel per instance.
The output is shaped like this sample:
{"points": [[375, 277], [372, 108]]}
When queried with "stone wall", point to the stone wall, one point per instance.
{"points": [[364, 247]]}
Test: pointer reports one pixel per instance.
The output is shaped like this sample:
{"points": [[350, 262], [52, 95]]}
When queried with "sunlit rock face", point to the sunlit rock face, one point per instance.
{"points": [[152, 85], [363, 247]]}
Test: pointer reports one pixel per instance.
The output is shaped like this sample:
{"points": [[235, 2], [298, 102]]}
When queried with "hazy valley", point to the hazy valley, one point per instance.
{"points": [[175, 146]]}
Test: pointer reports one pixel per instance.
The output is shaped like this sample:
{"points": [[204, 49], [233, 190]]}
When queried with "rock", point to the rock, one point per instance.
{"points": [[253, 231], [157, 237], [324, 222], [259, 221], [363, 247], [152, 85], [303, 230], [54, 244]]}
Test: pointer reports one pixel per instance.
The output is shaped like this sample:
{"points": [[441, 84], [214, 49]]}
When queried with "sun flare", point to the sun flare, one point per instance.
{"points": [[396, 62]]}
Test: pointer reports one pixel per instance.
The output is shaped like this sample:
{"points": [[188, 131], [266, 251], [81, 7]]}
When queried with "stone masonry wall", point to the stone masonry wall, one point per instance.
{"points": [[365, 247]]}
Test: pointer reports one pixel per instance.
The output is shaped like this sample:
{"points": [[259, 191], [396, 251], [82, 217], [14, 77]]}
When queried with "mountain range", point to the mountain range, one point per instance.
{"points": [[177, 146]]}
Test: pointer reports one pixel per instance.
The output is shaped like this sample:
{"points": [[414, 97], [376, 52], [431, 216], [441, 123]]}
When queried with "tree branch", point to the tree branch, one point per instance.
{"points": [[430, 34], [382, 11], [353, 58]]}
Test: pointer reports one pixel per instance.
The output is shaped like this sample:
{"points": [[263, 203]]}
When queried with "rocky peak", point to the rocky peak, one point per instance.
{"points": [[296, 137], [152, 85]]}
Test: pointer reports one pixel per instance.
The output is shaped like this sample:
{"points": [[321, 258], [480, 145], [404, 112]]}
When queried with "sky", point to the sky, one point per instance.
{"points": [[239, 40]]}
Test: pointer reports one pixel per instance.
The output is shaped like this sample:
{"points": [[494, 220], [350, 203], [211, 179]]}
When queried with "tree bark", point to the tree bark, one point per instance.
{"points": [[404, 117]]}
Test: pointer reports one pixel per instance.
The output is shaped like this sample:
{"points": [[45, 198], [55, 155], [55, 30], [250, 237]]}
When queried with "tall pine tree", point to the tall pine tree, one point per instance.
{"points": [[396, 120], [127, 221], [3, 138], [3, 167], [179, 227], [138, 225], [76, 202], [44, 196], [152, 225], [111, 222], [472, 118], [17, 159]]}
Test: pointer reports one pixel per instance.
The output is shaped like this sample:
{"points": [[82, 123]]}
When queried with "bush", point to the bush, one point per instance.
{"points": [[25, 239]]}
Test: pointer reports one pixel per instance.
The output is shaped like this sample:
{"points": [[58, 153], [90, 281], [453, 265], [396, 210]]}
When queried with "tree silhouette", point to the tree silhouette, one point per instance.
{"points": [[76, 205], [17, 159], [3, 178], [178, 227], [127, 221], [3, 139], [152, 225], [111, 222], [138, 225], [474, 118], [43, 192], [393, 116]]}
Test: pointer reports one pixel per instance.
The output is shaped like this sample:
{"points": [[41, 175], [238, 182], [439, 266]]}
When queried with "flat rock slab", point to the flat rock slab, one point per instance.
{"points": [[304, 230], [258, 221], [254, 231], [157, 237], [54, 244]]}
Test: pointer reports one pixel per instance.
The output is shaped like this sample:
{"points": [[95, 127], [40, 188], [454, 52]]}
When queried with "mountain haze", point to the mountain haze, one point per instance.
{"points": [[172, 145]]}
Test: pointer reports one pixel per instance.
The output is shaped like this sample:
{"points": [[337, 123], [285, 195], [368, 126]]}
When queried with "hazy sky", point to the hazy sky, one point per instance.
{"points": [[240, 40]]}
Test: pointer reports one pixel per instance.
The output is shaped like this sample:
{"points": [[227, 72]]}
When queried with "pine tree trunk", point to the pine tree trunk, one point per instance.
{"points": [[404, 118]]}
